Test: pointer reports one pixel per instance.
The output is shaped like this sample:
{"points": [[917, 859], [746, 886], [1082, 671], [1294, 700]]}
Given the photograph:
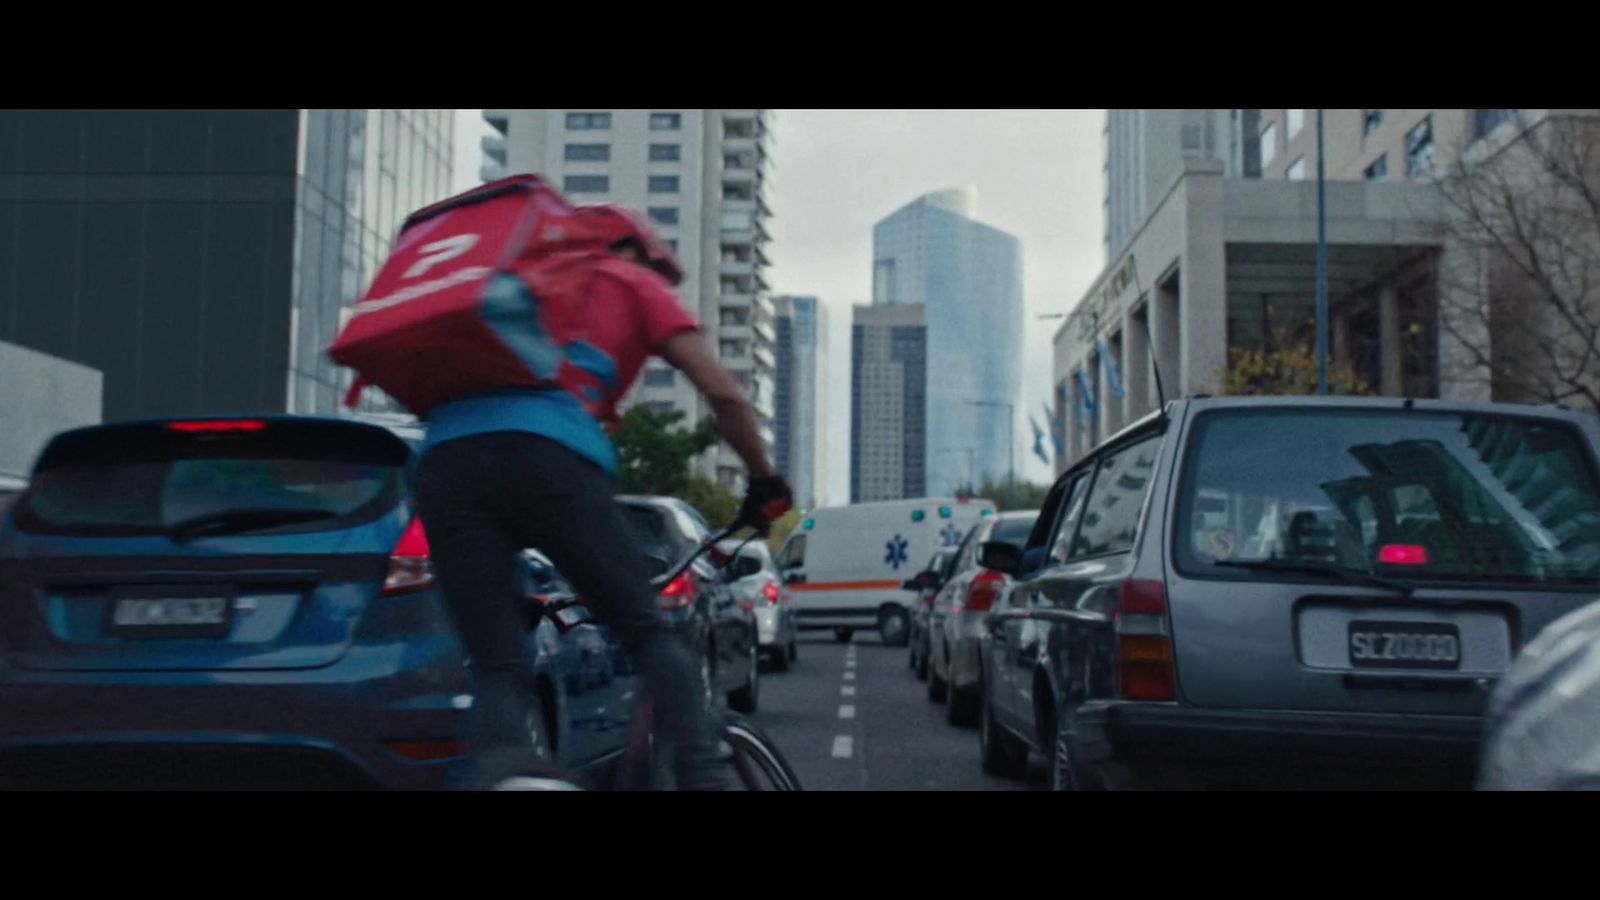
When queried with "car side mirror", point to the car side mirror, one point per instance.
{"points": [[792, 577], [1000, 556], [1032, 561], [922, 581]]}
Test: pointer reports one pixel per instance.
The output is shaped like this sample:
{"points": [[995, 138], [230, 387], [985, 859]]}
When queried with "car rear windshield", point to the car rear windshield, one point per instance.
{"points": [[1407, 494], [147, 479], [652, 533]]}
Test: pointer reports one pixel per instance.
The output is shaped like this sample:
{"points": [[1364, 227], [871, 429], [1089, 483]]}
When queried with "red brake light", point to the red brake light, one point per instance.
{"points": [[985, 590], [1403, 555], [678, 593], [1145, 668], [218, 426], [410, 569], [770, 591], [428, 751]]}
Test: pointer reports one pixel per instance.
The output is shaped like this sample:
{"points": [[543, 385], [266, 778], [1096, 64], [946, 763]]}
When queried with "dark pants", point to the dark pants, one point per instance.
{"points": [[485, 498]]}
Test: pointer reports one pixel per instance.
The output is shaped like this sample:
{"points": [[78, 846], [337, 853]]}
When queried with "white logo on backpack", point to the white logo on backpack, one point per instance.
{"points": [[439, 251]]}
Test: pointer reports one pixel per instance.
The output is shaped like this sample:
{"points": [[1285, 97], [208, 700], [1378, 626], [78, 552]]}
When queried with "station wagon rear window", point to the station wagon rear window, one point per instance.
{"points": [[1406, 494]]}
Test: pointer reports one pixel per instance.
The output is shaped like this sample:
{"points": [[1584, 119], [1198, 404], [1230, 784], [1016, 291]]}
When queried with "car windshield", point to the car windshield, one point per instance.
{"points": [[1405, 494], [149, 480], [1013, 531]]}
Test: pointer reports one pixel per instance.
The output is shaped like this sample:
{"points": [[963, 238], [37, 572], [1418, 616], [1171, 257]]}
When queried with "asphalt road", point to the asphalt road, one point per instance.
{"points": [[854, 717]]}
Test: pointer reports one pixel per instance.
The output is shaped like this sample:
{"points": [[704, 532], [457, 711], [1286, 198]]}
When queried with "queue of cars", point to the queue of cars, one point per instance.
{"points": [[1284, 592], [249, 603]]}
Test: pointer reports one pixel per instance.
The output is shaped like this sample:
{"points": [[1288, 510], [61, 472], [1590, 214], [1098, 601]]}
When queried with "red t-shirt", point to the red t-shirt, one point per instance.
{"points": [[629, 313]]}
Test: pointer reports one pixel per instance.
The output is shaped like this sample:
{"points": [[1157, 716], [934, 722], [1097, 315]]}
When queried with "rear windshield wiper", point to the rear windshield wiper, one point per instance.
{"points": [[1340, 573], [239, 521]]}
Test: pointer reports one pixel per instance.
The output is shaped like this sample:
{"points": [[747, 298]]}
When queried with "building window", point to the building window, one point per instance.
{"points": [[663, 184], [659, 377], [664, 215], [1487, 119], [665, 121], [588, 153], [1379, 170], [586, 184], [1297, 121], [665, 152], [1370, 120], [588, 121], [1269, 144], [1419, 149], [662, 407], [1297, 170]]}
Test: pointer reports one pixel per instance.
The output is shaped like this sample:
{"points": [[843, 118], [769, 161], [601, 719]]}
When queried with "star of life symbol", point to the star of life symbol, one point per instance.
{"points": [[950, 536], [896, 555]]}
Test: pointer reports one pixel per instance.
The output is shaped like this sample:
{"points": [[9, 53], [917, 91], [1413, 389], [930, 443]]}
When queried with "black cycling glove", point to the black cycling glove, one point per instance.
{"points": [[765, 500]]}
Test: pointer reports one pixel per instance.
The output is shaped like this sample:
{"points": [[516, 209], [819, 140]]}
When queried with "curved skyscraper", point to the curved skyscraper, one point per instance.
{"points": [[967, 276]]}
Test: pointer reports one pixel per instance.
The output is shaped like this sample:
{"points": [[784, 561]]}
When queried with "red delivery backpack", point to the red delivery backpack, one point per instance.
{"points": [[480, 292]]}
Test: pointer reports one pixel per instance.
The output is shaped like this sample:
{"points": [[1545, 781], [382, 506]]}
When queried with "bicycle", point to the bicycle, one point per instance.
{"points": [[755, 758]]}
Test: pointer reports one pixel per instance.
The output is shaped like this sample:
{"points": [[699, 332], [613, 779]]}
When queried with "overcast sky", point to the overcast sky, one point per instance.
{"points": [[838, 171]]}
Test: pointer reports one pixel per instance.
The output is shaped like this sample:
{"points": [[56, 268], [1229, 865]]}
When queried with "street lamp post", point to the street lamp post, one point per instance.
{"points": [[1011, 450]]}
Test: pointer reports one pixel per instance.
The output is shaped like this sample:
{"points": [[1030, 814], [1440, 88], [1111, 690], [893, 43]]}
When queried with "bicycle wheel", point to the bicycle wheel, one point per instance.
{"points": [[760, 765]]}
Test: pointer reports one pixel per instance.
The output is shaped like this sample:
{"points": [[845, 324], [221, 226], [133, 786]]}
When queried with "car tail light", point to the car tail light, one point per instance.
{"points": [[217, 425], [428, 751], [1145, 669], [678, 593], [1403, 555], [770, 591], [984, 590], [410, 569]]}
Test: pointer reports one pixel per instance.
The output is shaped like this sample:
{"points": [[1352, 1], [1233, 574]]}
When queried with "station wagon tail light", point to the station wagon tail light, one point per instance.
{"points": [[678, 593], [1144, 655], [984, 590], [770, 591], [410, 569], [1403, 555]]}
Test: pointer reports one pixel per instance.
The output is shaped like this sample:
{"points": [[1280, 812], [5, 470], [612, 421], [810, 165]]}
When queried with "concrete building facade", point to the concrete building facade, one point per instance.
{"points": [[43, 396], [1222, 263], [703, 176], [888, 403]]}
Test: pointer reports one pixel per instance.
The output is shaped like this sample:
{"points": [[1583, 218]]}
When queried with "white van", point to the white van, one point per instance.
{"points": [[845, 565]]}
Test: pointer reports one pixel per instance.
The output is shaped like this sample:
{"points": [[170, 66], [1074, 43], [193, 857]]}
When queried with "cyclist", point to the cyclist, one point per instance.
{"points": [[513, 469]]}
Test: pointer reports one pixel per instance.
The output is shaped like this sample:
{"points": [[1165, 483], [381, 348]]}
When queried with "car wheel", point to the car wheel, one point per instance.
{"points": [[937, 689], [794, 649], [963, 707], [842, 635], [780, 659], [922, 662], [893, 626], [1000, 753], [747, 697]]}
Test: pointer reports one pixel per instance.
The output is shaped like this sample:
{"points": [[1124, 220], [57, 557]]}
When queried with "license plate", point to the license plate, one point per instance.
{"points": [[1404, 645], [170, 617]]}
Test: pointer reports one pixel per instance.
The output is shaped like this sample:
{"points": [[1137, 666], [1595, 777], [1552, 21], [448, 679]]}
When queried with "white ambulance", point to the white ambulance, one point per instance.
{"points": [[846, 565]]}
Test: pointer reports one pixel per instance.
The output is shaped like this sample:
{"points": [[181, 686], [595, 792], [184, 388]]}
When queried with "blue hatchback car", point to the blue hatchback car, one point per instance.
{"points": [[248, 603]]}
